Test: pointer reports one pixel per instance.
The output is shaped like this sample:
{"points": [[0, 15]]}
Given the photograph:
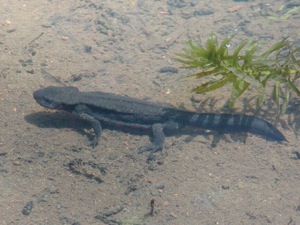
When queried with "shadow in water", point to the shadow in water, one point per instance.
{"points": [[59, 120]]}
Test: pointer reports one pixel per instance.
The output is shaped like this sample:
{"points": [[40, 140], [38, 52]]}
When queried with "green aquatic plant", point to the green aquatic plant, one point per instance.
{"points": [[285, 13], [242, 67]]}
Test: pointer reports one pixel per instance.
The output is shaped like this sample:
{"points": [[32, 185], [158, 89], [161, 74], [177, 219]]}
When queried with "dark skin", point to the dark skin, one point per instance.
{"points": [[156, 119]]}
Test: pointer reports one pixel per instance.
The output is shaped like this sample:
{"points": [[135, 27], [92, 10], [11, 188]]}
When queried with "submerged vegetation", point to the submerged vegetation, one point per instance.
{"points": [[242, 67]]}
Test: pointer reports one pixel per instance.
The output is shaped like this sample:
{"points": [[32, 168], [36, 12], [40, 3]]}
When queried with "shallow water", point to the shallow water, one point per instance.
{"points": [[126, 47]]}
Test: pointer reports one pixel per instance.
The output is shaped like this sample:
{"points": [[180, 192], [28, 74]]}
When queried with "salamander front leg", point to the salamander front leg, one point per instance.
{"points": [[96, 127], [81, 111]]}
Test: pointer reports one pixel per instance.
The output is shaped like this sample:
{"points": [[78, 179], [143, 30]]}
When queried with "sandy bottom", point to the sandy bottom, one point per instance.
{"points": [[50, 175]]}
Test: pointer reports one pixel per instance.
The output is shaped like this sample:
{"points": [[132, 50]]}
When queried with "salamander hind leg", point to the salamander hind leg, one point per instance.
{"points": [[158, 139]]}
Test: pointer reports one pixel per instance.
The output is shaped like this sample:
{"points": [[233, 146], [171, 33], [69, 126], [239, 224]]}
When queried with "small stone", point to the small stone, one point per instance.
{"points": [[88, 49], [52, 190], [168, 69], [16, 163], [64, 38], [225, 187], [27, 208], [162, 186]]}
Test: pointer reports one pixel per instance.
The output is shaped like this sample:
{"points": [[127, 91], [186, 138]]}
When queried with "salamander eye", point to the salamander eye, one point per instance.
{"points": [[48, 103], [46, 100]]}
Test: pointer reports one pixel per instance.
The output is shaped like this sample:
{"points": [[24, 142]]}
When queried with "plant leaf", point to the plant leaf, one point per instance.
{"points": [[238, 88], [293, 87], [210, 86], [275, 47], [275, 94], [285, 102], [206, 73], [243, 76]]}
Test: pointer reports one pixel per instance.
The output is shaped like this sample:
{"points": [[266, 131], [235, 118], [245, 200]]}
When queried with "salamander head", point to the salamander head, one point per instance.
{"points": [[56, 97]]}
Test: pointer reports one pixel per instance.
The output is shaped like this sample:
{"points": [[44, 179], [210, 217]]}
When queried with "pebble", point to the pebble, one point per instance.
{"points": [[168, 69], [27, 208]]}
